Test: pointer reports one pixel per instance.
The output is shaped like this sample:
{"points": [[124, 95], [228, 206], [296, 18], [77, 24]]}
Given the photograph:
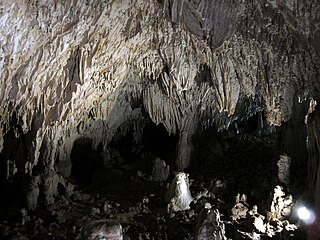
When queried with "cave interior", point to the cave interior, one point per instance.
{"points": [[160, 120]]}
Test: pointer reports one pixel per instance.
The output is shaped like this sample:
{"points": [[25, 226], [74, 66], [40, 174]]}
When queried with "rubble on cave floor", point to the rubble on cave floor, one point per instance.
{"points": [[239, 200]]}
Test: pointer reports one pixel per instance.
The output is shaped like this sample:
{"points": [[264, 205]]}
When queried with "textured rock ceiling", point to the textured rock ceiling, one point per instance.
{"points": [[91, 68]]}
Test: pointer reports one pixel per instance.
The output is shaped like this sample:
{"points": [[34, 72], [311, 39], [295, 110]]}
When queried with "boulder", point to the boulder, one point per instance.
{"points": [[102, 229], [212, 227]]}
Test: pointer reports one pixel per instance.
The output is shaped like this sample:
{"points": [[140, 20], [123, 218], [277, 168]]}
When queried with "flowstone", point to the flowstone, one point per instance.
{"points": [[178, 195]]}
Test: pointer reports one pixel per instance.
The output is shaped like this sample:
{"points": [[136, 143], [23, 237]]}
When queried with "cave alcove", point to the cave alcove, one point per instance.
{"points": [[85, 160], [155, 142], [16, 152]]}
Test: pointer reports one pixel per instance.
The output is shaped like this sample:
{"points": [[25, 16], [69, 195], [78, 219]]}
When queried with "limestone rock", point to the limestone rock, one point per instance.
{"points": [[284, 169], [20, 237], [51, 181], [178, 195], [313, 120], [71, 69], [212, 227], [33, 193], [240, 209], [102, 229], [160, 171], [280, 206], [255, 221]]}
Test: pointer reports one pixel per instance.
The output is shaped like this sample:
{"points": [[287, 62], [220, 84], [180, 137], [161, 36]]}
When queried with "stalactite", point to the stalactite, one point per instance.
{"points": [[75, 68]]}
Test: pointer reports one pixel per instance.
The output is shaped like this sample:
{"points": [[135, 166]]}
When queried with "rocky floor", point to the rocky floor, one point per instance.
{"points": [[137, 203]]}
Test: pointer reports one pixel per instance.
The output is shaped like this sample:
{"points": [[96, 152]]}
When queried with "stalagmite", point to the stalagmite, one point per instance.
{"points": [[284, 169], [240, 208], [280, 206], [160, 171], [102, 72], [178, 195], [50, 183], [212, 228], [33, 193]]}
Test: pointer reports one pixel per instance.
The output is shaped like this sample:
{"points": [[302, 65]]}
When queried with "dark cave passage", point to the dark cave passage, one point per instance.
{"points": [[123, 172], [85, 160], [15, 153], [243, 157], [155, 143]]}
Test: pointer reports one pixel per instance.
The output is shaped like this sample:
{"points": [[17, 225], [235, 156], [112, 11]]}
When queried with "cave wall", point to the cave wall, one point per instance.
{"points": [[292, 142], [71, 69], [313, 145]]}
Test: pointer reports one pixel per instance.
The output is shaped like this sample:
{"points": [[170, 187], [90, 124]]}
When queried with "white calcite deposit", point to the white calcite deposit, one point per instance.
{"points": [[178, 195]]}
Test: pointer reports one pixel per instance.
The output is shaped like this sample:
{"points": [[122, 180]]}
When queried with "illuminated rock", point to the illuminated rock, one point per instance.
{"points": [[178, 195], [284, 169], [212, 228], [102, 229]]}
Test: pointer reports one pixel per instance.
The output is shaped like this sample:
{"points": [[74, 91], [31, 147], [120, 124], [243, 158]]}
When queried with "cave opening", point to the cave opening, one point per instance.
{"points": [[155, 142], [85, 160], [159, 143], [123, 169]]}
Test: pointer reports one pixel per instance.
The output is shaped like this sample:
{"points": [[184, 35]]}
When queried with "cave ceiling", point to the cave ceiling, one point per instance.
{"points": [[87, 68]]}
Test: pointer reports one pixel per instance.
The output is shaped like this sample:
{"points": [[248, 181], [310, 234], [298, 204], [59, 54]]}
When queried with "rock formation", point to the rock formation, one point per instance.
{"points": [[103, 229], [212, 228], [160, 170], [284, 169], [99, 69], [178, 195]]}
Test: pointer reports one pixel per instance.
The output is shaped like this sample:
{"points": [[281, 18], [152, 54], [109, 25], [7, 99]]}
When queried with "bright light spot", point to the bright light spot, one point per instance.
{"points": [[303, 213], [306, 215]]}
